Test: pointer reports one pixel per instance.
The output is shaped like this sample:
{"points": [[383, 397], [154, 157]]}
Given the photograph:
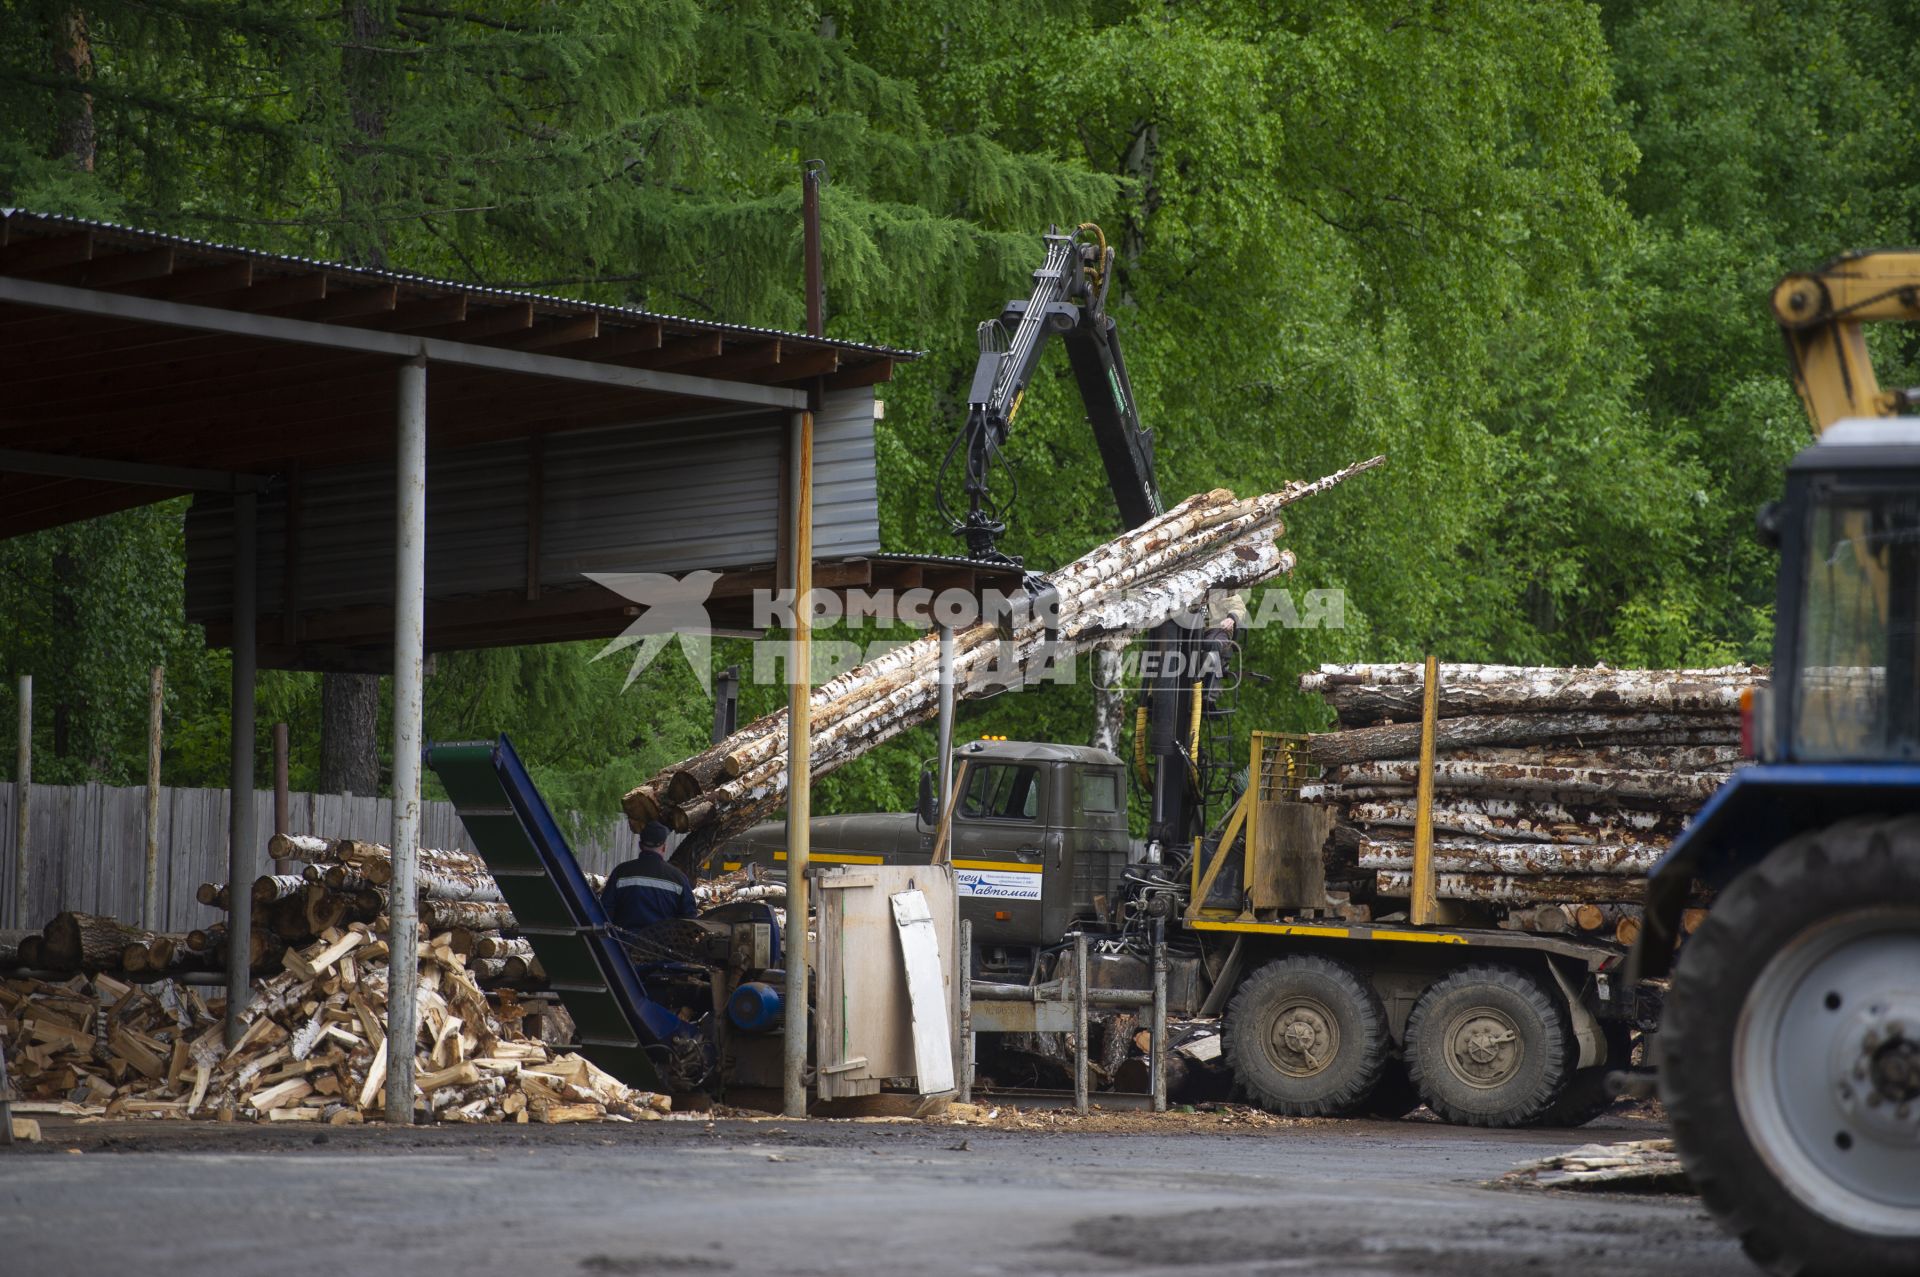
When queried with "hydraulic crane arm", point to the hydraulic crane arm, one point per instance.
{"points": [[1068, 301], [1822, 313]]}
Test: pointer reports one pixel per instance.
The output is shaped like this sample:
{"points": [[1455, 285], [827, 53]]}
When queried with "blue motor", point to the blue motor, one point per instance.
{"points": [[755, 1007]]}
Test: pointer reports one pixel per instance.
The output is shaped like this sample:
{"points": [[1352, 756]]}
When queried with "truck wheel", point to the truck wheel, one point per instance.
{"points": [[1306, 1036], [1587, 1096], [1790, 1053], [1488, 1046]]}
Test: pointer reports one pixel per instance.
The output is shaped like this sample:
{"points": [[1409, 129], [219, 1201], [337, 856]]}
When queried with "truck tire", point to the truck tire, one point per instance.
{"points": [[1307, 1037], [1587, 1096], [1790, 1053], [1489, 1046]]}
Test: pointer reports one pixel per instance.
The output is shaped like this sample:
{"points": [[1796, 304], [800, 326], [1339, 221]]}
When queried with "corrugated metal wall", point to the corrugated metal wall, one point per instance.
{"points": [[87, 846], [667, 496]]}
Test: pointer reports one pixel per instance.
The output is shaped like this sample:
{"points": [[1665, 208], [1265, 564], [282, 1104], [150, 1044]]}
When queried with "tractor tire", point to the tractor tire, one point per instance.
{"points": [[1394, 1095], [1490, 1046], [1587, 1096], [1790, 1053], [1307, 1037]]}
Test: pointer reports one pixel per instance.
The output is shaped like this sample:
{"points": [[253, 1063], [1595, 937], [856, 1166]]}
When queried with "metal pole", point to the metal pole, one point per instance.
{"points": [[799, 767], [22, 800], [1080, 1023], [966, 1011], [150, 901], [240, 829], [1424, 908], [280, 787], [946, 715], [1158, 1063], [810, 245], [409, 659]]}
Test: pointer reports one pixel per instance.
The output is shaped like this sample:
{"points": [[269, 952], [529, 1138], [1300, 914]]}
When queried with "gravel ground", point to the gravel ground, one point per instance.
{"points": [[1039, 1195]]}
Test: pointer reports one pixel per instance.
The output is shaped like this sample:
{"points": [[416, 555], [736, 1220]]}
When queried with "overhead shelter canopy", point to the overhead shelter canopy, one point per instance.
{"points": [[565, 437]]}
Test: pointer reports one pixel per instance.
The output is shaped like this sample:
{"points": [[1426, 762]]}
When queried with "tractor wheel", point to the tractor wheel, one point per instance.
{"points": [[1307, 1037], [1790, 1053], [1489, 1046], [1587, 1096]]}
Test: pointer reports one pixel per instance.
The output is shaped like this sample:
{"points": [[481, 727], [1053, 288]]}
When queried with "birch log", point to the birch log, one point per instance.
{"points": [[1402, 740], [1461, 856], [1160, 570], [1557, 783], [1523, 822], [1518, 889]]}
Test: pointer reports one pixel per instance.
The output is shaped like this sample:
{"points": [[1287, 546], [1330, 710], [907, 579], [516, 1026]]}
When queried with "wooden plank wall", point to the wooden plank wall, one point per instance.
{"points": [[87, 846]]}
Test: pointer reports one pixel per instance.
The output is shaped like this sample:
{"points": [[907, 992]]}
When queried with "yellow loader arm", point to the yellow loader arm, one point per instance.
{"points": [[1821, 313]]}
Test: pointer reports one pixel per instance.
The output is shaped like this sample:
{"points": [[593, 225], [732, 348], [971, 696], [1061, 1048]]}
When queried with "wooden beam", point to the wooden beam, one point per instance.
{"points": [[684, 350], [272, 293], [565, 332], [875, 370], [114, 268], [496, 320], [619, 343], [426, 312], [25, 255], [742, 358], [196, 283], [348, 302]]}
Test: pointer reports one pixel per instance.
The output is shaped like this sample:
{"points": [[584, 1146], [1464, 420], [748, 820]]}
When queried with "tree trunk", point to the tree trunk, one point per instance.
{"points": [[1402, 740], [1536, 690], [88, 942], [349, 752], [75, 138], [1553, 784], [1521, 890], [1516, 857]]}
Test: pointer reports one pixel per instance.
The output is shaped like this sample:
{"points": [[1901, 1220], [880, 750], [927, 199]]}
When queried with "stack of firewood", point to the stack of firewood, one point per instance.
{"points": [[1163, 569], [312, 1049], [1555, 790]]}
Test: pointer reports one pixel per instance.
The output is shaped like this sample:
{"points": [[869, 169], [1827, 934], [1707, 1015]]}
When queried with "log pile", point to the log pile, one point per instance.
{"points": [[1164, 568], [313, 1047], [1555, 790]]}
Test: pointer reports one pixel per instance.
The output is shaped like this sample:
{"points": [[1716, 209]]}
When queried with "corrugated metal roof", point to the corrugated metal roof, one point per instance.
{"points": [[668, 496], [12, 217]]}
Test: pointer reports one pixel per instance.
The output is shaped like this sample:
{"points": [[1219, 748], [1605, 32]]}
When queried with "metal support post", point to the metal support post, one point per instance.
{"points": [[946, 716], [1158, 1062], [1080, 1023], [281, 796], [240, 826], [409, 661], [22, 800], [1424, 909], [965, 1071], [799, 767], [150, 897]]}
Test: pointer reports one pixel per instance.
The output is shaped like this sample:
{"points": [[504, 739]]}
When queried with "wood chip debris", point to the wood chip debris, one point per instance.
{"points": [[1637, 1166]]}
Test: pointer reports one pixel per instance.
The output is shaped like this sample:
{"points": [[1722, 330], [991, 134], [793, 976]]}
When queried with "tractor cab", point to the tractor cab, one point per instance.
{"points": [[1846, 675]]}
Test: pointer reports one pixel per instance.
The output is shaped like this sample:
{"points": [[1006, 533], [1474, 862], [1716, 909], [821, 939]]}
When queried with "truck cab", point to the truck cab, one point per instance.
{"points": [[1038, 842]]}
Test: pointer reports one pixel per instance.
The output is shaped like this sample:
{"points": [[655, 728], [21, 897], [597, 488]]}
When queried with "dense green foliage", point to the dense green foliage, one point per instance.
{"points": [[1522, 248]]}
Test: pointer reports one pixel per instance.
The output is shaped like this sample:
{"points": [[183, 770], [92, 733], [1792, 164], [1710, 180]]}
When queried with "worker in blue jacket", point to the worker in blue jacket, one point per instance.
{"points": [[646, 889]]}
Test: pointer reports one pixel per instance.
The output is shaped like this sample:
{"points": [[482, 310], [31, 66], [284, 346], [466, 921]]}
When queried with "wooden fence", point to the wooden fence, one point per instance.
{"points": [[87, 847]]}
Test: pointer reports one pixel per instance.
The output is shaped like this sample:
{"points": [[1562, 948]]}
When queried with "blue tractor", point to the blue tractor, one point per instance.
{"points": [[1789, 1046]]}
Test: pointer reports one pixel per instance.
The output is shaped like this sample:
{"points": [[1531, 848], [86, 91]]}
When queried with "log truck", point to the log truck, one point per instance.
{"points": [[1322, 1016], [1789, 1049]]}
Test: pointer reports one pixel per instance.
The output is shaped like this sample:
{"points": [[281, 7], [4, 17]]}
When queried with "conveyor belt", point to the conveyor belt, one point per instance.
{"points": [[557, 911]]}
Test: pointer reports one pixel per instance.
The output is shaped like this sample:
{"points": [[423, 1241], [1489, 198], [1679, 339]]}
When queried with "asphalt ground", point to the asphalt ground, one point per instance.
{"points": [[693, 1196]]}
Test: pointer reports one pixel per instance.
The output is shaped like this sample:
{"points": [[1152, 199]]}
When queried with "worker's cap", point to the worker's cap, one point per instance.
{"points": [[653, 836]]}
